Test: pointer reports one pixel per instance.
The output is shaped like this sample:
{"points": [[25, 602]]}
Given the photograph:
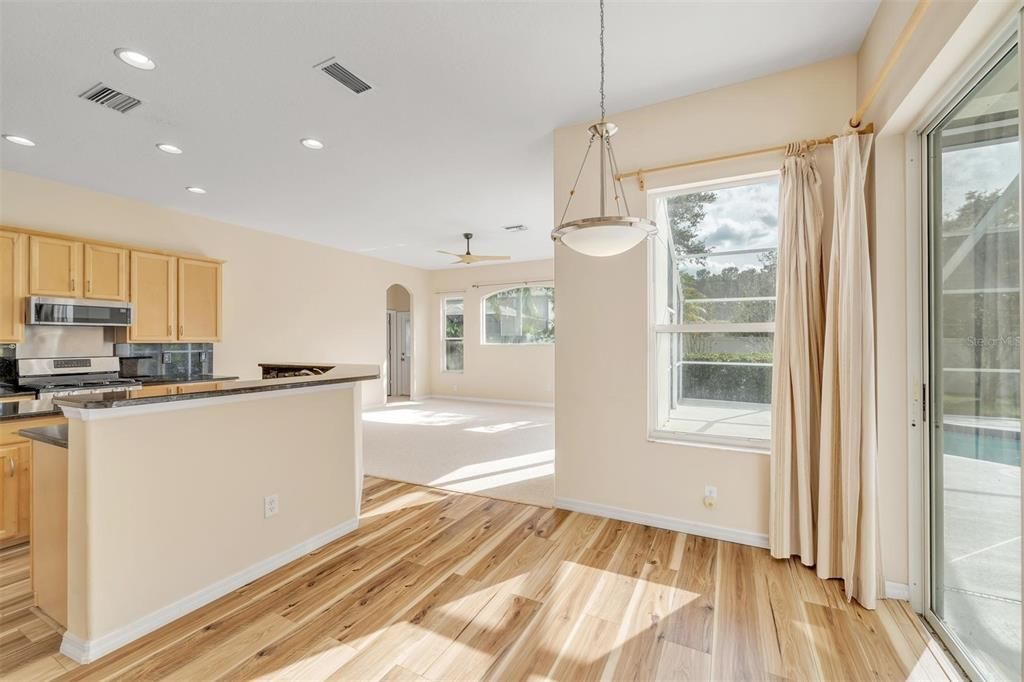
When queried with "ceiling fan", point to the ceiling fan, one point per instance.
{"points": [[469, 258]]}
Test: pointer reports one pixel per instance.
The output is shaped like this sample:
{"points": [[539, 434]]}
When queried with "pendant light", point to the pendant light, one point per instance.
{"points": [[603, 235]]}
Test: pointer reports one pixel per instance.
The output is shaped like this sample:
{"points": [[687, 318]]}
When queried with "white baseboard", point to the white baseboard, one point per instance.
{"points": [[471, 399], [85, 651], [667, 522], [897, 590]]}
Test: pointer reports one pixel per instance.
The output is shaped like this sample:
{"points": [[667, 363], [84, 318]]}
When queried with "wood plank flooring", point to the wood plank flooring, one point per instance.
{"points": [[437, 585]]}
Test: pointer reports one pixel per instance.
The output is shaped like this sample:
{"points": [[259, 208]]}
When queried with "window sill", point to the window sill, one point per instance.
{"points": [[452, 371], [512, 345], [748, 446]]}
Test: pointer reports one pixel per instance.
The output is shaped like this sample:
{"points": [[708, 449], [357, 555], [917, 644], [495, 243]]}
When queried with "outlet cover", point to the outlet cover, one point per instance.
{"points": [[270, 506], [710, 491]]}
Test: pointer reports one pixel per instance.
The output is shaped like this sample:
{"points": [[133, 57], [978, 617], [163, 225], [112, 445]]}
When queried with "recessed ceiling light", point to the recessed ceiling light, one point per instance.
{"points": [[18, 139], [310, 143], [169, 148], [136, 59], [196, 190]]}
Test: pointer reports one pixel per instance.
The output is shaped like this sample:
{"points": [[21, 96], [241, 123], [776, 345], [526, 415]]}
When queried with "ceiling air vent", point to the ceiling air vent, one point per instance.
{"points": [[343, 76], [110, 98]]}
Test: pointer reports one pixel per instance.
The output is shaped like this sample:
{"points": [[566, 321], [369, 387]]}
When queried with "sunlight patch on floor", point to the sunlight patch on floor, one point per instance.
{"points": [[410, 417], [498, 428], [504, 464], [482, 483]]}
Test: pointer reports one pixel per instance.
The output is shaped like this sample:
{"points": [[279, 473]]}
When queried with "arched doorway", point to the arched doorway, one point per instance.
{"points": [[399, 335]]}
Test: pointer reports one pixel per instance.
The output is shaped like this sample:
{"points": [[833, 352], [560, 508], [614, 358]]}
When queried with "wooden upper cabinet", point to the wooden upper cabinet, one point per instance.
{"points": [[199, 300], [106, 272], [55, 267], [13, 284], [154, 293]]}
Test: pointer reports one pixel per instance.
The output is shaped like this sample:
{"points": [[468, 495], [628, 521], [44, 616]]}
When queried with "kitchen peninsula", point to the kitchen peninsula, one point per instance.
{"points": [[175, 500]]}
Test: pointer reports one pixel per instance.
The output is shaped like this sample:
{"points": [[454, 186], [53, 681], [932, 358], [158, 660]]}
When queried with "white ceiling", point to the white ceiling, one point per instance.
{"points": [[455, 136]]}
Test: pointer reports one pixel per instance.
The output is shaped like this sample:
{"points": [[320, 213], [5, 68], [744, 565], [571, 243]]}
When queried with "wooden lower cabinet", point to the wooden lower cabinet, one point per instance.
{"points": [[16, 479], [14, 492]]}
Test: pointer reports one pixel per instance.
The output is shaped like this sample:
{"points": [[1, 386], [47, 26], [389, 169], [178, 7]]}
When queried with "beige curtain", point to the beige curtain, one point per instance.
{"points": [[796, 369], [848, 542]]}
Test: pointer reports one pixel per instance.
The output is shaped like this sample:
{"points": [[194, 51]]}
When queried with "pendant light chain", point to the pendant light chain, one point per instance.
{"points": [[602, 61]]}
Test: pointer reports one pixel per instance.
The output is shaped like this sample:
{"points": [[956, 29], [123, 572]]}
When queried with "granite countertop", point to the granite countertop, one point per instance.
{"points": [[191, 379], [301, 365], [28, 409], [54, 435], [340, 374]]}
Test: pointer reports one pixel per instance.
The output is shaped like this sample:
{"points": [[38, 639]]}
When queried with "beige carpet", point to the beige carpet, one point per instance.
{"points": [[503, 451]]}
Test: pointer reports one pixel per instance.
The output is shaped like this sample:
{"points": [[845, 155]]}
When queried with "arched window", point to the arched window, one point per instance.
{"points": [[520, 315]]}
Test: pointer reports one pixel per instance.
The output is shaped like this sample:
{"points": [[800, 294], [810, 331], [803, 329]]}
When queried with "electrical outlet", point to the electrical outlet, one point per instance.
{"points": [[270, 506], [710, 496]]}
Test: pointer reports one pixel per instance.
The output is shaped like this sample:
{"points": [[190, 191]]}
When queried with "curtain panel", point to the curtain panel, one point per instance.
{"points": [[824, 495], [797, 363]]}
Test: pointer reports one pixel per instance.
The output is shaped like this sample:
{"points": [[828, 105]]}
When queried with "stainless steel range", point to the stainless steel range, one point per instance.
{"points": [[52, 377]]}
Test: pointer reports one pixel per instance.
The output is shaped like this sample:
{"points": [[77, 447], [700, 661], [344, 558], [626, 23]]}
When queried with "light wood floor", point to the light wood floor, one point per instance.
{"points": [[437, 585]]}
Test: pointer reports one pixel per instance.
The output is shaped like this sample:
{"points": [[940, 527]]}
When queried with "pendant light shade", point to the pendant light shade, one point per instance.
{"points": [[603, 235]]}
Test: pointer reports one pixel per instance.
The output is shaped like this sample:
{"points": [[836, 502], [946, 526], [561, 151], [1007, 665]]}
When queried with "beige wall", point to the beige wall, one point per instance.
{"points": [[941, 51], [603, 456], [284, 299], [523, 373], [398, 298], [151, 527]]}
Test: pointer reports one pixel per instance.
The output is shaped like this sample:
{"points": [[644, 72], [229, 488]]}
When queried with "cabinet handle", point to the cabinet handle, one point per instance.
{"points": [[181, 330], [169, 332], [88, 285], [72, 284], [10, 460]]}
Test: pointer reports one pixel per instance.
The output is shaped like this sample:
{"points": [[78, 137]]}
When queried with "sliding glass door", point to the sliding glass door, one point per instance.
{"points": [[975, 349]]}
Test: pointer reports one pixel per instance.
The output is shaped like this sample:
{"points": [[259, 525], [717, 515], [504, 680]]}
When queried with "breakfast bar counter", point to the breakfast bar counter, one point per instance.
{"points": [[242, 477]]}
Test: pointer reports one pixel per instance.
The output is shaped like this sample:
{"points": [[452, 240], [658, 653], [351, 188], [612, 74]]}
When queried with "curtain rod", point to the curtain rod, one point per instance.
{"points": [[855, 122], [499, 284], [641, 172]]}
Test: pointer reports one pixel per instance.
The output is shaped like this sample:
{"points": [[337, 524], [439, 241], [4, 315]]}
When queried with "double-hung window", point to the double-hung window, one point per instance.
{"points": [[453, 309], [713, 275]]}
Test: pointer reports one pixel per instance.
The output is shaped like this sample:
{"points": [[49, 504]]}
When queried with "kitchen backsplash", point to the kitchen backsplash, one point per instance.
{"points": [[7, 367], [165, 359]]}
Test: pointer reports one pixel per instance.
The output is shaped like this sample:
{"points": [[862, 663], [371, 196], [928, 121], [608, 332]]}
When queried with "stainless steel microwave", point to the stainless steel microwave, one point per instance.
{"points": [[78, 312]]}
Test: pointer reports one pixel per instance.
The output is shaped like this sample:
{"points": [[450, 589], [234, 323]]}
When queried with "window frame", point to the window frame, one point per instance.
{"points": [[760, 446], [483, 315], [444, 333]]}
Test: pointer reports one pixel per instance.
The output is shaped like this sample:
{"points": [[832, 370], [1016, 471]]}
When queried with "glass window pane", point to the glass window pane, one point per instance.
{"points": [[716, 384], [726, 219], [974, 232], [521, 315], [711, 311], [453, 308], [728, 276], [453, 356]]}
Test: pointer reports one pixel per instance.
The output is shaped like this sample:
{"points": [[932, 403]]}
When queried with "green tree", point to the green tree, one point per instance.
{"points": [[685, 214]]}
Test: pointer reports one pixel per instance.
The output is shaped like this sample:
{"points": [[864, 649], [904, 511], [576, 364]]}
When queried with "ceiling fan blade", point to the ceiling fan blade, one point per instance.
{"points": [[482, 258], [449, 253]]}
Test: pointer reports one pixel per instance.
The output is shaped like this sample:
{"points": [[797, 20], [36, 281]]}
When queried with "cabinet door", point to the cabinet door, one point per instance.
{"points": [[154, 280], [13, 457], [106, 272], [54, 267], [13, 283], [151, 391], [199, 300]]}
